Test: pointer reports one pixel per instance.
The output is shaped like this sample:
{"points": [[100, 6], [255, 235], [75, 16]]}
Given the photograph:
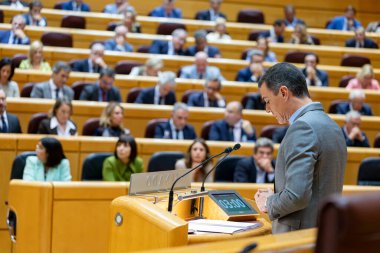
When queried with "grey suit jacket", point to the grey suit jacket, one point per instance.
{"points": [[42, 90], [310, 166], [190, 72]]}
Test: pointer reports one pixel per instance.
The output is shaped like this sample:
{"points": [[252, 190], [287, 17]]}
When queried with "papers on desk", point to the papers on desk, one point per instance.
{"points": [[220, 226]]}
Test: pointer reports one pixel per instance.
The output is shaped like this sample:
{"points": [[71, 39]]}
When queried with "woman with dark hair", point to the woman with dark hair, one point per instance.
{"points": [[59, 122], [6, 73], [111, 121], [50, 164], [124, 162], [197, 153]]}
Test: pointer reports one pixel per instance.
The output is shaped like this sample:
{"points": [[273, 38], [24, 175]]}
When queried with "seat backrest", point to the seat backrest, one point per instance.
{"points": [[334, 104], [1, 16], [78, 86], [345, 80], [93, 166], [349, 224], [252, 100], [267, 131], [17, 58], [354, 61], [376, 143], [35, 121], [90, 126], [316, 40], [27, 90], [125, 67], [19, 164], [245, 53], [133, 94], [150, 128], [225, 171], [205, 131], [168, 28], [77, 22], [165, 160], [254, 35], [295, 56], [58, 5], [251, 16], [111, 26], [186, 95], [56, 39], [369, 171], [143, 49]]}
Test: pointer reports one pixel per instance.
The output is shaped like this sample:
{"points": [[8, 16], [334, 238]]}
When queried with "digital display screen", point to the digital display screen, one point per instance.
{"points": [[232, 204]]}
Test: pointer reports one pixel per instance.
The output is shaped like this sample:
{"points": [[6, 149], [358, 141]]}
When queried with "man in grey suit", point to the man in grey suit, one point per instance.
{"points": [[56, 87], [200, 69], [9, 123], [312, 157]]}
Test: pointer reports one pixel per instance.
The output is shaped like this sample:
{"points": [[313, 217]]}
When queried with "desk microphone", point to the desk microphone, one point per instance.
{"points": [[171, 193], [236, 147]]}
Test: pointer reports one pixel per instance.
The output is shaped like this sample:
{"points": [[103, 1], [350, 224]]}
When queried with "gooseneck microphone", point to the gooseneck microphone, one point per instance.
{"points": [[171, 193]]}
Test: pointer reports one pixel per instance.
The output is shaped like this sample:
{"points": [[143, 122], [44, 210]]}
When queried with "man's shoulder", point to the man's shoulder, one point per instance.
{"points": [[41, 85]]}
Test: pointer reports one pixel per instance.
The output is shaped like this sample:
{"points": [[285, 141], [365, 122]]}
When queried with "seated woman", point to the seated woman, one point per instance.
{"points": [[219, 33], [130, 22], [124, 162], [59, 122], [111, 121], [152, 67], [300, 36], [6, 73], [364, 79], [197, 153], [35, 59], [50, 164]]}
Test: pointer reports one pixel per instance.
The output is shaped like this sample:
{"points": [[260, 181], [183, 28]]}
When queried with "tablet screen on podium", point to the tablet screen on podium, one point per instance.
{"points": [[231, 202]]}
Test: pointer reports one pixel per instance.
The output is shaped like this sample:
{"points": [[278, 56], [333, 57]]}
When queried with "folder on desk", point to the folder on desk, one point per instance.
{"points": [[220, 226]]}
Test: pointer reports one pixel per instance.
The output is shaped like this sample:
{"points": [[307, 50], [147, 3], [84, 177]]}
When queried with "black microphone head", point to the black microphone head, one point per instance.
{"points": [[237, 146], [228, 150]]}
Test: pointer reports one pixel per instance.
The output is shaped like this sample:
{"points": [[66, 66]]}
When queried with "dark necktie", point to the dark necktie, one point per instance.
{"points": [[4, 129], [56, 93], [177, 133], [104, 96], [200, 76], [312, 82], [15, 40], [162, 101], [231, 132]]}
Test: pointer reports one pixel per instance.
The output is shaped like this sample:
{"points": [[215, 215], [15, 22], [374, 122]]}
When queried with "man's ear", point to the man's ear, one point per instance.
{"points": [[284, 92]]}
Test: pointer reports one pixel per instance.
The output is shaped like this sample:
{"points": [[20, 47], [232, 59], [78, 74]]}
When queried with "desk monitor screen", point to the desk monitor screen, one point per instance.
{"points": [[231, 203]]}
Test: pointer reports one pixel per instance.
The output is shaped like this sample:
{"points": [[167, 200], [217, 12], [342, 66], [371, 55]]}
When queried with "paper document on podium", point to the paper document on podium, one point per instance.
{"points": [[220, 226]]}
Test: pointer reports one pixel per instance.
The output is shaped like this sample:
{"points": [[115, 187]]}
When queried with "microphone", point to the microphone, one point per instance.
{"points": [[171, 193]]}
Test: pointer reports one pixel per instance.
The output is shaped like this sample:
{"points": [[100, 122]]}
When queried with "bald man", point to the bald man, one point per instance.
{"points": [[200, 69]]}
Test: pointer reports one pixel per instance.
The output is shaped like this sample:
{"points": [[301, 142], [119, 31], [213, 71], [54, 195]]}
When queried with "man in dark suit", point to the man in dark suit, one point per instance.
{"points": [[314, 76], [56, 87], [9, 123], [103, 90], [255, 70], [119, 43], [276, 33], [355, 103], [95, 63], [75, 5], [176, 127], [166, 10], [354, 136], [213, 13], [173, 47], [16, 35], [201, 45], [162, 93], [233, 127], [258, 168], [360, 40], [290, 17], [210, 97]]}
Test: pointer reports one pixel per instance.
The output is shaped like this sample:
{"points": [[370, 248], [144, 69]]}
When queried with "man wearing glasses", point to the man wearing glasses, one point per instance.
{"points": [[210, 96]]}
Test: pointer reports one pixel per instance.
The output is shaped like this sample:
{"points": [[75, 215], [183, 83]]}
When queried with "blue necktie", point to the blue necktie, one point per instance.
{"points": [[15, 40], [4, 129]]}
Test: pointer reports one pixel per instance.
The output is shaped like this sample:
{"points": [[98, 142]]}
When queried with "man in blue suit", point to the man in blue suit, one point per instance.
{"points": [[95, 62], [210, 97], [213, 13], [177, 127], [119, 43], [233, 127], [360, 40], [346, 22], [162, 93], [354, 136], [173, 47], [166, 10], [290, 17], [356, 103], [255, 70], [314, 76], [75, 5], [16, 35], [201, 45]]}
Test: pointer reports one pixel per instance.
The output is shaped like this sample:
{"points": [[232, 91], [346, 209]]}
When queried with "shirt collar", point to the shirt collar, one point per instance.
{"points": [[54, 123], [297, 113]]}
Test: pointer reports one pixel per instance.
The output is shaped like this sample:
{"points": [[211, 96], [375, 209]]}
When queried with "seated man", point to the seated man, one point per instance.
{"points": [[119, 7], [34, 17], [9, 123], [355, 103], [352, 133], [314, 76], [162, 93], [176, 127], [276, 33], [255, 70], [94, 63], [201, 45], [346, 22], [290, 17], [119, 42], [213, 13], [56, 87], [17, 4], [360, 40], [16, 35], [173, 47], [200, 69], [233, 127], [166, 10], [75, 5], [258, 168], [103, 90], [210, 97]]}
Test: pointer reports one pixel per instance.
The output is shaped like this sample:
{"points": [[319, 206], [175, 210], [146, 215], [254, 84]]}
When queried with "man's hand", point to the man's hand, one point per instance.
{"points": [[99, 61], [247, 127], [261, 197], [265, 164], [19, 33]]}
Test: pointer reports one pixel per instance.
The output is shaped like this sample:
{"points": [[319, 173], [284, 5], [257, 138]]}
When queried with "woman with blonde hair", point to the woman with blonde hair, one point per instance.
{"points": [[152, 67], [35, 59], [111, 121], [300, 35], [364, 79]]}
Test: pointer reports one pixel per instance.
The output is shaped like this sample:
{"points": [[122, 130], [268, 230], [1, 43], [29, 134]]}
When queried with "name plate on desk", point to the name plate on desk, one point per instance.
{"points": [[142, 183]]}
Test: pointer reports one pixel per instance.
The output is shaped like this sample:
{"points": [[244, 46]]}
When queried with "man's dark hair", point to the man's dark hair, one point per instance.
{"points": [[285, 74], [107, 72], [279, 22], [61, 65]]}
